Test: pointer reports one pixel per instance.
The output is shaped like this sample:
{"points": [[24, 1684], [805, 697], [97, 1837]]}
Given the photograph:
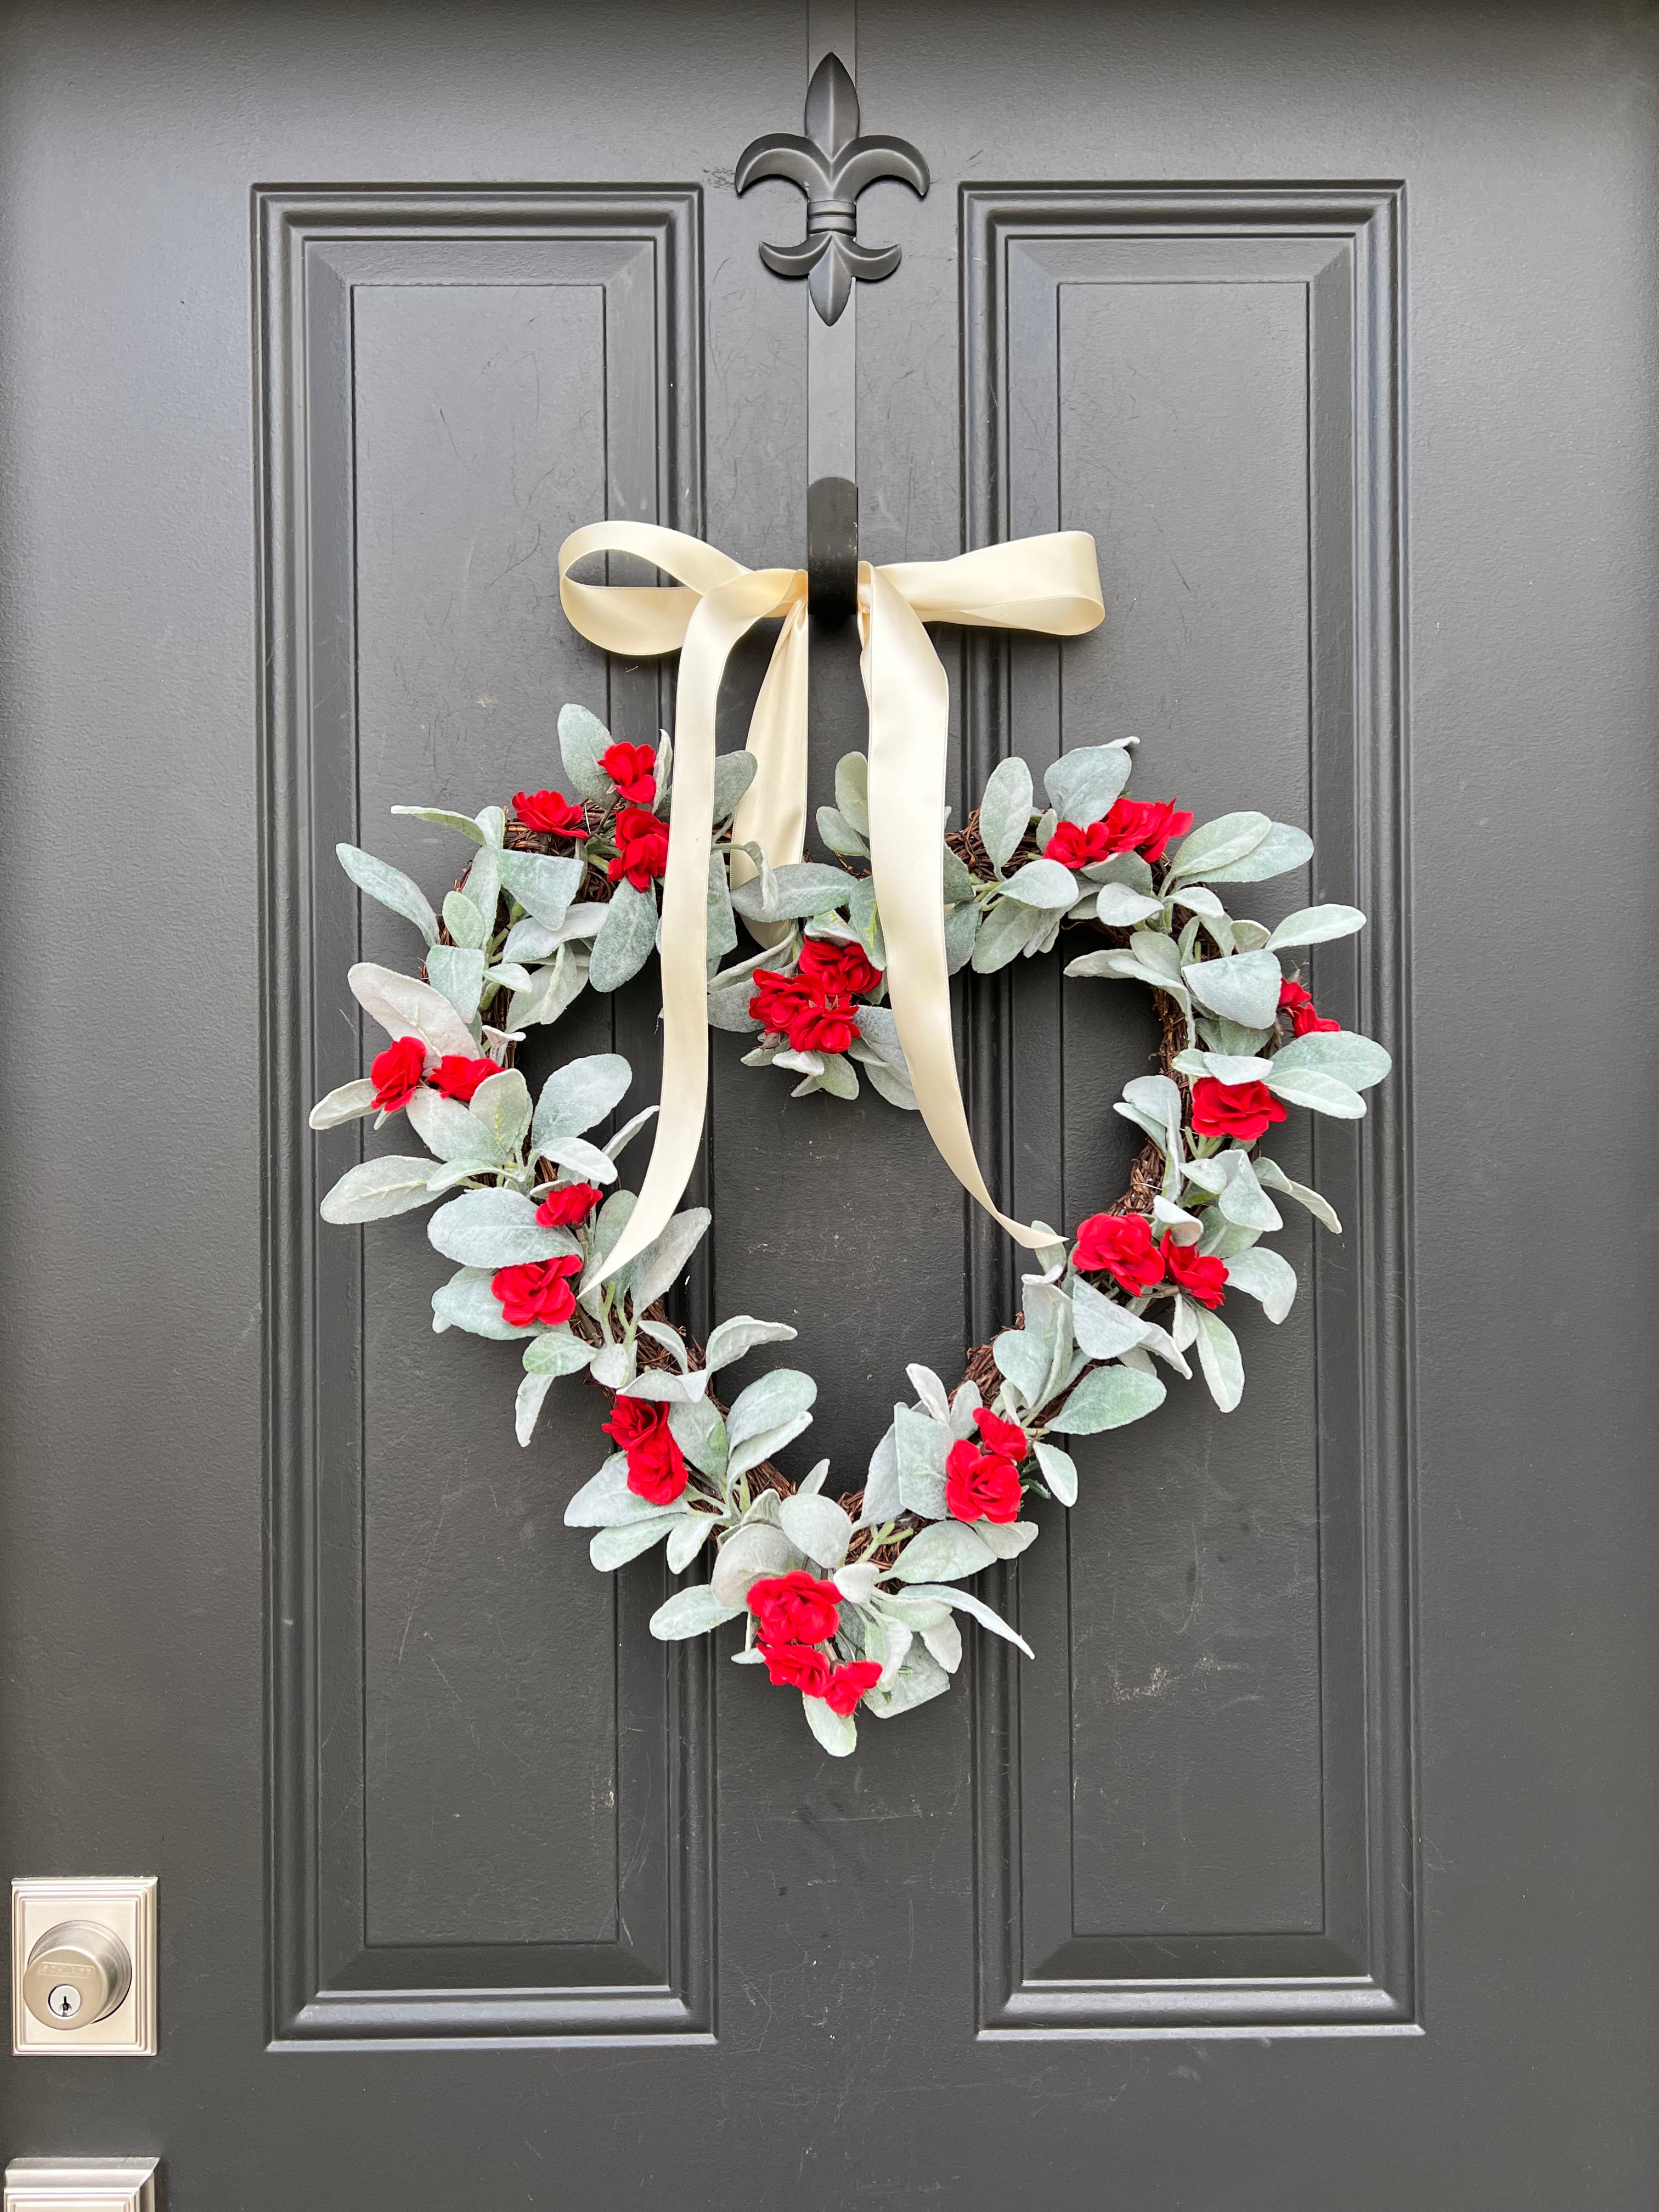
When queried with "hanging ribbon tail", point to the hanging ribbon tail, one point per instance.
{"points": [[736, 598], [772, 813], [1049, 584]]}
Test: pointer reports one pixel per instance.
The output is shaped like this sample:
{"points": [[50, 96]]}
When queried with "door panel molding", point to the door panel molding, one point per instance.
{"points": [[1346, 1959], [642, 1964]]}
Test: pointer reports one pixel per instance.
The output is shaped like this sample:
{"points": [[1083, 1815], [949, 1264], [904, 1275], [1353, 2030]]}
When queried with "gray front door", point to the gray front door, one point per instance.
{"points": [[1310, 1865]]}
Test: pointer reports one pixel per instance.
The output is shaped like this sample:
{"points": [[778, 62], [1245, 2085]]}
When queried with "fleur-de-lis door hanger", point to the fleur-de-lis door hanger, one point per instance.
{"points": [[832, 165]]}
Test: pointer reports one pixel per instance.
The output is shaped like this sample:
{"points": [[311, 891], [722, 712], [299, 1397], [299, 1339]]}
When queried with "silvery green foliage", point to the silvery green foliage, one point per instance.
{"points": [[1090, 1356]]}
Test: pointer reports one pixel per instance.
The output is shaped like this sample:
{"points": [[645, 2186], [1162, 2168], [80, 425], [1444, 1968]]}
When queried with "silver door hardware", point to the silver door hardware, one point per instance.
{"points": [[83, 1967], [78, 1971], [81, 2184]]}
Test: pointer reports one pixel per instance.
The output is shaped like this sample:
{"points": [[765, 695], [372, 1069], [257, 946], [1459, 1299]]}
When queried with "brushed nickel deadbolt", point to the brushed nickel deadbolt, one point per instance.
{"points": [[76, 1974], [83, 1967]]}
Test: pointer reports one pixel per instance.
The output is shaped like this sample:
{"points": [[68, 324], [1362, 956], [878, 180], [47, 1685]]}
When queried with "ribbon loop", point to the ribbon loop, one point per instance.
{"points": [[1049, 584]]}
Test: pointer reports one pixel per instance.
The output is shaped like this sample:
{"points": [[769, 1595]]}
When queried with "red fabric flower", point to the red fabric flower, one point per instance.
{"points": [[798, 1667], [797, 1007], [550, 811], [1243, 1111], [795, 1608], [1000, 1435], [1305, 1018], [1145, 826], [642, 846], [398, 1072], [779, 1000], [840, 969], [567, 1204], [1120, 1245], [1201, 1275], [1075, 847], [457, 1077], [536, 1290], [656, 1465], [827, 1026], [849, 1684], [981, 1486], [632, 770]]}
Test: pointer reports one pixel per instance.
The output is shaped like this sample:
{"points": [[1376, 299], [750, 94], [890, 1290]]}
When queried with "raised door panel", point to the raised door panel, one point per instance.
{"points": [[1211, 1824], [489, 1785]]}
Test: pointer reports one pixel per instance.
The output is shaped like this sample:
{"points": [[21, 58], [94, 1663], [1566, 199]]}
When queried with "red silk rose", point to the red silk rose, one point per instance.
{"points": [[642, 846], [849, 1684], [1075, 846], [798, 1667], [656, 1465], [795, 1608], [457, 1078], [827, 1026], [1243, 1111], [632, 770], [551, 811], [1200, 1275], [1305, 1018], [567, 1204], [536, 1290], [1120, 1245], [840, 969], [981, 1486], [797, 1007], [1000, 1435], [398, 1072], [779, 1000], [1145, 826]]}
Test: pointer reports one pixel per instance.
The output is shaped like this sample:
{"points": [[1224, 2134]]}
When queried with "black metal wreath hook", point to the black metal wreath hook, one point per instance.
{"points": [[832, 165]]}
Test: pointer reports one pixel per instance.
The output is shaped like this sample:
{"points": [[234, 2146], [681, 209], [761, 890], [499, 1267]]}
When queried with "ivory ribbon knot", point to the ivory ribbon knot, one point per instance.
{"points": [[1049, 584]]}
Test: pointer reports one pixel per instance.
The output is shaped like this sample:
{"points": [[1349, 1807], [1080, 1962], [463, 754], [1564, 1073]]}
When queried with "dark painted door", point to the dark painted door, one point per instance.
{"points": [[1311, 1862]]}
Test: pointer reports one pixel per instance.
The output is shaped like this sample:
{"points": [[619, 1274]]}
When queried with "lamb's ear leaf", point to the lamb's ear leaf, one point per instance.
{"points": [[660, 1265], [582, 737], [615, 1547], [544, 884], [627, 938], [1351, 1058], [349, 1102], [403, 1006], [1005, 810], [376, 1190], [1107, 1398], [943, 1552], [1266, 1275], [391, 887], [1059, 1472], [729, 1340], [1082, 784], [1218, 844], [734, 774], [853, 790], [817, 1526], [457, 971], [1218, 1357], [579, 1094], [447, 818], [691, 1611], [837, 1732], [1283, 848], [1321, 1210]]}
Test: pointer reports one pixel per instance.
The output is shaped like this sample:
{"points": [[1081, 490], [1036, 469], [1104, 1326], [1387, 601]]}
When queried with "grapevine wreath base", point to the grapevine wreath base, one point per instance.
{"points": [[854, 1603]]}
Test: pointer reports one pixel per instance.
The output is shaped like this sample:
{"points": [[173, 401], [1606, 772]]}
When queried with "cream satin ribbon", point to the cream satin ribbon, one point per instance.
{"points": [[1049, 584]]}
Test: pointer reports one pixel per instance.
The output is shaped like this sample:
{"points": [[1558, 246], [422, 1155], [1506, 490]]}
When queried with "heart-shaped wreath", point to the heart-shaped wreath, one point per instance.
{"points": [[850, 1602]]}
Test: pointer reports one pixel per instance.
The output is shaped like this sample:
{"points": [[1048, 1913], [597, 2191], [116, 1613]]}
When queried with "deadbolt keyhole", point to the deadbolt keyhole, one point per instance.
{"points": [[77, 1972]]}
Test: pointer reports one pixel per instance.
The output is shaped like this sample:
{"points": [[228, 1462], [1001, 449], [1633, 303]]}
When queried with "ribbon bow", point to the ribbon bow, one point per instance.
{"points": [[1049, 584]]}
